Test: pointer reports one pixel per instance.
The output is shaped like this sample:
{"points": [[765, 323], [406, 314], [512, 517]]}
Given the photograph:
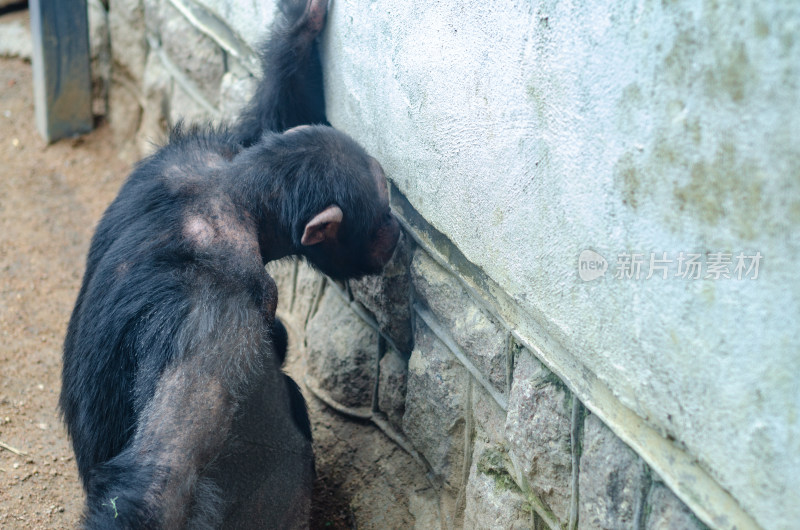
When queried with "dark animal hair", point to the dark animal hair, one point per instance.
{"points": [[172, 391]]}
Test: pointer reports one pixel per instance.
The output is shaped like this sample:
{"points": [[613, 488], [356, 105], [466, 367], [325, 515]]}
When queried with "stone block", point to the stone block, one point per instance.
{"points": [[489, 418], [128, 44], [152, 18], [283, 272], [157, 92], [249, 19], [128, 58], [100, 52], [435, 402], [235, 91], [424, 506], [388, 296], [307, 289], [193, 52], [666, 511], [482, 339], [184, 106], [393, 385], [124, 116], [538, 429], [342, 352], [15, 40], [493, 499], [612, 480]]}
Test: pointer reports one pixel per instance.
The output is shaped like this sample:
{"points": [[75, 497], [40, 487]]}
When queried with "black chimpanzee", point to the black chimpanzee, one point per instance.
{"points": [[173, 393]]}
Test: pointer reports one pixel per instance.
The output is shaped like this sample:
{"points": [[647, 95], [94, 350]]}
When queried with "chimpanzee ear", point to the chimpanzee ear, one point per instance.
{"points": [[323, 226]]}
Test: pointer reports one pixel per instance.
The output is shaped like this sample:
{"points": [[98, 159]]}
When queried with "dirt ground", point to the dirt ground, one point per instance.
{"points": [[51, 198]]}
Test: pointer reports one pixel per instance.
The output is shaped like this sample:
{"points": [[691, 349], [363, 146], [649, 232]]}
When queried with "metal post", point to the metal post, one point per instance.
{"points": [[62, 86]]}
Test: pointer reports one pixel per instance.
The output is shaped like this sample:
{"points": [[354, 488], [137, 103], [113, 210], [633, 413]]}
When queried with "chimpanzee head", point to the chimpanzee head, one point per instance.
{"points": [[336, 202]]}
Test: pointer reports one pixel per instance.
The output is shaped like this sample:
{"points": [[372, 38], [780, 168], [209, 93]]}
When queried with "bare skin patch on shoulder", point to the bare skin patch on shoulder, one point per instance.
{"points": [[198, 231], [219, 227]]}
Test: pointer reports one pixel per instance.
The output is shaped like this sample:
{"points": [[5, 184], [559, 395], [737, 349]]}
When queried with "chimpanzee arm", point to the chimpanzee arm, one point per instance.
{"points": [[291, 92]]}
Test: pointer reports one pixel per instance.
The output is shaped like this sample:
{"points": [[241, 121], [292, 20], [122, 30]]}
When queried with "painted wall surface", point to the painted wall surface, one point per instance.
{"points": [[528, 132]]}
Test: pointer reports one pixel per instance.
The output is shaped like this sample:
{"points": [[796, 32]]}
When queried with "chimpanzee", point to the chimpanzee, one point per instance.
{"points": [[173, 392]]}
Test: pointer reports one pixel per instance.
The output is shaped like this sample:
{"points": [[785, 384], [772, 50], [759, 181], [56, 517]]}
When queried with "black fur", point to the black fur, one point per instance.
{"points": [[291, 94], [280, 340], [280, 345], [173, 394]]}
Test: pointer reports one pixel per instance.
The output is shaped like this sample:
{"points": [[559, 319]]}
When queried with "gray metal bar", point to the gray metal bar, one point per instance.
{"points": [[62, 86]]}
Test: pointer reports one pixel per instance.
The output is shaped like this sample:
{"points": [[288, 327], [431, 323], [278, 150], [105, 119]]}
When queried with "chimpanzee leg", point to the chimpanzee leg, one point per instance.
{"points": [[280, 345], [198, 462], [267, 469], [153, 481]]}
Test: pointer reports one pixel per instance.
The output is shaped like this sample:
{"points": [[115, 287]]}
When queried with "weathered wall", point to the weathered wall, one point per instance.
{"points": [[528, 132], [517, 136]]}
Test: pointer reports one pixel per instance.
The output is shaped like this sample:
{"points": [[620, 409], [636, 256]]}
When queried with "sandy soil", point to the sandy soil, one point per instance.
{"points": [[51, 198]]}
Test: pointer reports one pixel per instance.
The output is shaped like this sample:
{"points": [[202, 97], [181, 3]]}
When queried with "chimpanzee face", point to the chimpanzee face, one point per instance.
{"points": [[357, 238], [386, 233]]}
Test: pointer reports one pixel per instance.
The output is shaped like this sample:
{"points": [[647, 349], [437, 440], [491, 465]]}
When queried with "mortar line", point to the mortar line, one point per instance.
{"points": [[210, 24], [315, 301], [185, 83], [469, 447], [355, 306], [575, 444], [448, 341], [295, 266], [376, 388]]}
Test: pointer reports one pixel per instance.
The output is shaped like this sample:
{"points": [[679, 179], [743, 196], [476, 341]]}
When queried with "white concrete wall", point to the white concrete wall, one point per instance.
{"points": [[530, 131]]}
